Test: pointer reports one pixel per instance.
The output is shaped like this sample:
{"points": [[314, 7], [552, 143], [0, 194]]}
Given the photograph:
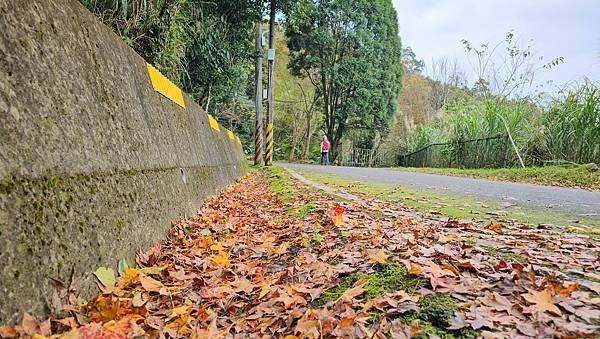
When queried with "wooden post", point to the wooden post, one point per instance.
{"points": [[258, 80], [271, 93]]}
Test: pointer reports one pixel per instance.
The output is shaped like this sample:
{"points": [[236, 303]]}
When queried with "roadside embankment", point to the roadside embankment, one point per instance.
{"points": [[98, 153]]}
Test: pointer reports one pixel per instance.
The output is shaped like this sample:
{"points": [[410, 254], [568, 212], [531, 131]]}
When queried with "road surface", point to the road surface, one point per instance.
{"points": [[567, 200]]}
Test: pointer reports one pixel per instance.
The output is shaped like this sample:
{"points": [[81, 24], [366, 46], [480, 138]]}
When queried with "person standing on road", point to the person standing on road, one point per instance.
{"points": [[325, 151]]}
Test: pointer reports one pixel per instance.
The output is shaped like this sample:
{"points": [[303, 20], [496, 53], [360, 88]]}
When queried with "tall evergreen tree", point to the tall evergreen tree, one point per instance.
{"points": [[351, 52]]}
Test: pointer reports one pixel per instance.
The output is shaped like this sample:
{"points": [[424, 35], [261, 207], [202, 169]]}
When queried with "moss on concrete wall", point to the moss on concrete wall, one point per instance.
{"points": [[94, 164]]}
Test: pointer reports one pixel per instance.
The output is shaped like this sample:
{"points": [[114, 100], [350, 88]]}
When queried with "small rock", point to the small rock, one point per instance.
{"points": [[591, 167]]}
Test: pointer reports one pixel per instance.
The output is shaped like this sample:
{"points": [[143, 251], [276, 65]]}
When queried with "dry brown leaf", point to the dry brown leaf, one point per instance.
{"points": [[542, 300], [377, 256]]}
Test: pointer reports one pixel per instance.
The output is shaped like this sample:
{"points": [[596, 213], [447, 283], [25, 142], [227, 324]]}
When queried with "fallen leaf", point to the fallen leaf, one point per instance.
{"points": [[122, 266], [222, 259], [457, 321], [106, 276], [542, 300], [495, 227], [150, 284], [377, 256], [351, 293], [154, 270], [264, 290], [338, 215], [137, 300], [8, 332]]}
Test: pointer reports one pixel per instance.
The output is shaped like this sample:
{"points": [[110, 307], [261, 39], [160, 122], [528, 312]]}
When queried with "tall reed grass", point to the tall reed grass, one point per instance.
{"points": [[567, 130], [572, 126]]}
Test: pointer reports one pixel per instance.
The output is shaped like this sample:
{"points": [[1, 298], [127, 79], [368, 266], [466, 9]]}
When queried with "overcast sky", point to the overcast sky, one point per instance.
{"points": [[567, 28]]}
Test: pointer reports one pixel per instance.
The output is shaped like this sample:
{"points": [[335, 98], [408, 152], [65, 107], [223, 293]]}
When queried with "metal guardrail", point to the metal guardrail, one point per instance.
{"points": [[364, 157]]}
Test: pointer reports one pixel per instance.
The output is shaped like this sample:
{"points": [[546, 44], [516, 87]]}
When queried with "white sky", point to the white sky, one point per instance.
{"points": [[567, 28]]}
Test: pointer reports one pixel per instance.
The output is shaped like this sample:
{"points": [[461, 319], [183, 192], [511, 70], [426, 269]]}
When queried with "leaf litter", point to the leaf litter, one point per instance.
{"points": [[246, 267]]}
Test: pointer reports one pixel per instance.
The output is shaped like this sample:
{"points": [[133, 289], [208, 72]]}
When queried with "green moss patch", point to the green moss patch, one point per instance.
{"points": [[436, 309], [390, 277]]}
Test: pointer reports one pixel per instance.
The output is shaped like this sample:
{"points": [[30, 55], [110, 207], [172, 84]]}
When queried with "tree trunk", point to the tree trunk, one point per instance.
{"points": [[295, 139], [308, 136]]}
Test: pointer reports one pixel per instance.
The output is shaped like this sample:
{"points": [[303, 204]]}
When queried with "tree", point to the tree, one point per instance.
{"points": [[446, 77], [410, 61], [204, 46], [507, 69], [351, 52]]}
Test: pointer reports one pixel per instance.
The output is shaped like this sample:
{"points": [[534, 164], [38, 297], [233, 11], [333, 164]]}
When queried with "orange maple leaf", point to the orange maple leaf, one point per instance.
{"points": [[495, 228], [337, 215], [377, 256], [222, 259]]}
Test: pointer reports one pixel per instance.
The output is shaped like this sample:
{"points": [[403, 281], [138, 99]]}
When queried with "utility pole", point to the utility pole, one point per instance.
{"points": [[271, 94], [258, 80]]}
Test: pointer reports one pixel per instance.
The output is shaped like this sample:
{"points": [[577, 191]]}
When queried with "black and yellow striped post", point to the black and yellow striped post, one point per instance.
{"points": [[269, 144]]}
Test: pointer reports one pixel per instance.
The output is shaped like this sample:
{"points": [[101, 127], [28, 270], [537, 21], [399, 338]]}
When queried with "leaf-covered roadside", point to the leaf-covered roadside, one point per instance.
{"points": [[250, 265]]}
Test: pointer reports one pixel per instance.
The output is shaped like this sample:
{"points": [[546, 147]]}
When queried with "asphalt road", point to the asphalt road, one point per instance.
{"points": [[567, 200]]}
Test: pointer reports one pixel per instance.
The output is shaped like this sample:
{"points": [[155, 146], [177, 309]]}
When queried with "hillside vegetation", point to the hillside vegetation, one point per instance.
{"points": [[340, 71], [547, 128]]}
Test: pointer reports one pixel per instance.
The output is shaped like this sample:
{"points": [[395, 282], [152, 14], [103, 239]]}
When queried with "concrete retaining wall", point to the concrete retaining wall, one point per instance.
{"points": [[94, 163]]}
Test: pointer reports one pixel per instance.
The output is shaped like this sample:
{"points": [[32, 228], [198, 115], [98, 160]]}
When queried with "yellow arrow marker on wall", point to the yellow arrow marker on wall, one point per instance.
{"points": [[165, 87], [231, 135], [213, 123]]}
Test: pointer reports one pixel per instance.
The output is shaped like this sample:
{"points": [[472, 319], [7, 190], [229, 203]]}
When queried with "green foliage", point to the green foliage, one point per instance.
{"points": [[425, 135], [317, 237], [500, 102], [572, 125], [351, 52], [411, 62], [568, 130], [279, 183], [305, 210], [297, 117]]}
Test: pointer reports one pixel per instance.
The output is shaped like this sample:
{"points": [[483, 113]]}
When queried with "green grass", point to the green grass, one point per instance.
{"points": [[305, 210], [459, 206], [571, 176], [506, 256], [280, 183]]}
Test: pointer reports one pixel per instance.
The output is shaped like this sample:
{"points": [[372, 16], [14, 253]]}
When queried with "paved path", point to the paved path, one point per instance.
{"points": [[568, 200]]}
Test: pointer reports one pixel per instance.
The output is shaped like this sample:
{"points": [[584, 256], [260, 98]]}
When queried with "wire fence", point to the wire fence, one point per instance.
{"points": [[491, 152], [364, 157]]}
